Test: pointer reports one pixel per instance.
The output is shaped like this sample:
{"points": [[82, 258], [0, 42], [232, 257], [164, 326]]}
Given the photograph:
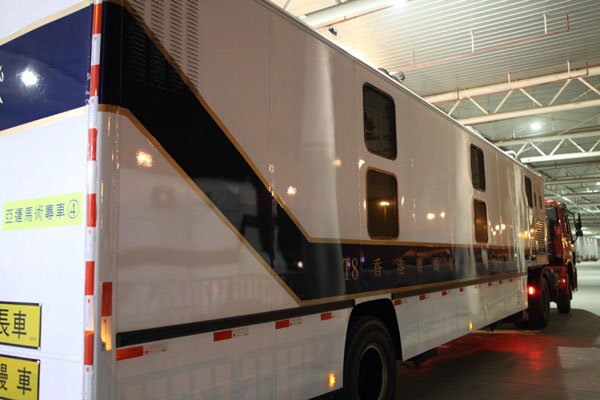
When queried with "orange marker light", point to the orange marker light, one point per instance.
{"points": [[531, 290], [331, 380]]}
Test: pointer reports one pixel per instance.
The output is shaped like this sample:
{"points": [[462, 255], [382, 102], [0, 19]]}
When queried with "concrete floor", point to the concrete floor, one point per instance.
{"points": [[558, 363]]}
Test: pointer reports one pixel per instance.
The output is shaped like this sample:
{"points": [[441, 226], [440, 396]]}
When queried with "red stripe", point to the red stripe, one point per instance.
{"points": [[89, 278], [422, 297], [88, 348], [282, 324], [91, 210], [462, 289], [130, 352], [106, 299], [94, 79], [97, 24], [444, 293], [325, 316], [223, 335], [92, 137], [397, 302]]}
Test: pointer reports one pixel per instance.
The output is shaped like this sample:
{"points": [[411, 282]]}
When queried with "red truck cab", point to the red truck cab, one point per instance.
{"points": [[557, 280], [561, 252]]}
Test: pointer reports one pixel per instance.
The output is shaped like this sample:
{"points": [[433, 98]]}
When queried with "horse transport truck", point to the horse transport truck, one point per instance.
{"points": [[207, 199]]}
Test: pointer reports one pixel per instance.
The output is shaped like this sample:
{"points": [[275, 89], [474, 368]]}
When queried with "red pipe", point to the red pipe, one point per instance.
{"points": [[502, 46]]}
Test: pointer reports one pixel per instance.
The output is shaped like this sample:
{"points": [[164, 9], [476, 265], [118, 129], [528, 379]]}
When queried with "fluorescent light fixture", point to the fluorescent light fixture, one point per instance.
{"points": [[536, 126]]}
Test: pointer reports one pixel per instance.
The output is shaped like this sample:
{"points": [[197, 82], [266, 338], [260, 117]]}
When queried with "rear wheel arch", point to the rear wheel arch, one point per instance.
{"points": [[383, 310]]}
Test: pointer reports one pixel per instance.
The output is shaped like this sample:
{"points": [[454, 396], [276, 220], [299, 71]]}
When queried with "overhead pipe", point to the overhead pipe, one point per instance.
{"points": [[460, 95], [528, 112]]}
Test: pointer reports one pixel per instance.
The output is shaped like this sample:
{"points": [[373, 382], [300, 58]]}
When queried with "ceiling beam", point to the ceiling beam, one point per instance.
{"points": [[569, 165], [552, 137], [558, 157], [584, 205], [344, 11], [458, 95], [572, 181], [579, 194], [528, 112]]}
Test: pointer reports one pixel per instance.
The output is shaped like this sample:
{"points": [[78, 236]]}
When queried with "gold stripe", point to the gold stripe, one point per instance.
{"points": [[429, 287], [45, 121], [45, 20]]}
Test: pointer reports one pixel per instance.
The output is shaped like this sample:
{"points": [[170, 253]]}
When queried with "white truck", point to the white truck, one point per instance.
{"points": [[207, 199]]}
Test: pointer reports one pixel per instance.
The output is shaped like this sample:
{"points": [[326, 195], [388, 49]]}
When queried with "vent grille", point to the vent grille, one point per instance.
{"points": [[176, 25], [540, 237]]}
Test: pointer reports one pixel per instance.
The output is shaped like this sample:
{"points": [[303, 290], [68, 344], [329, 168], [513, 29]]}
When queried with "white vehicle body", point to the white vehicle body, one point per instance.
{"points": [[220, 166]]}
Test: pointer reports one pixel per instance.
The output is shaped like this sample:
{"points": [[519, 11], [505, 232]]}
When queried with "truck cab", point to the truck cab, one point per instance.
{"points": [[561, 240]]}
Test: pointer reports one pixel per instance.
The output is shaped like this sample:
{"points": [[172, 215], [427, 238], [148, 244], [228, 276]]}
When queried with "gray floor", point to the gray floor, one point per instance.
{"points": [[560, 362]]}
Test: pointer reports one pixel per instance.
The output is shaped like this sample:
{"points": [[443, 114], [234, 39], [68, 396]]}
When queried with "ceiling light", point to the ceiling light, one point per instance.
{"points": [[536, 126]]}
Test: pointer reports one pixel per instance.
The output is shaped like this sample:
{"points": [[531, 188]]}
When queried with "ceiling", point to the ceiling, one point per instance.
{"points": [[546, 53]]}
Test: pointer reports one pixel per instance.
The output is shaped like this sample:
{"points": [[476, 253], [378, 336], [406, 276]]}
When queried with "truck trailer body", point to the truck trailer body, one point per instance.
{"points": [[203, 199]]}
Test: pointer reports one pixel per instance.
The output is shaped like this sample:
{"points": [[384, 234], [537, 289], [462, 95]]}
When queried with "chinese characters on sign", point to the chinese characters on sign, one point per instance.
{"points": [[63, 210], [377, 267], [19, 378], [20, 324], [352, 271]]}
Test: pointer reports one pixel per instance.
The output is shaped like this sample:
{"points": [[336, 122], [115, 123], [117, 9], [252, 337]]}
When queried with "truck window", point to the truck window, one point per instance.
{"points": [[568, 222], [528, 192], [477, 168], [382, 205], [380, 122], [551, 214], [480, 216]]}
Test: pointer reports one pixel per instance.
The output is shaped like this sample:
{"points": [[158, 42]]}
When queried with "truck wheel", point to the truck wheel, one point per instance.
{"points": [[539, 306], [564, 300], [370, 362]]}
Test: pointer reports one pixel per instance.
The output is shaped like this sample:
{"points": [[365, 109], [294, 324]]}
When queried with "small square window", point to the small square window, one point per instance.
{"points": [[528, 192], [380, 122], [477, 168], [382, 205], [481, 223]]}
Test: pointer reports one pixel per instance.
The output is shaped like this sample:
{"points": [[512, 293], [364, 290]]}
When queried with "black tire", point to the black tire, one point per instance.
{"points": [[564, 300], [369, 362], [539, 306]]}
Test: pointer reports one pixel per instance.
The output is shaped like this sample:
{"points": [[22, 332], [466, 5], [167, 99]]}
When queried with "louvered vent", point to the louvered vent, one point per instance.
{"points": [[175, 24], [540, 237]]}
